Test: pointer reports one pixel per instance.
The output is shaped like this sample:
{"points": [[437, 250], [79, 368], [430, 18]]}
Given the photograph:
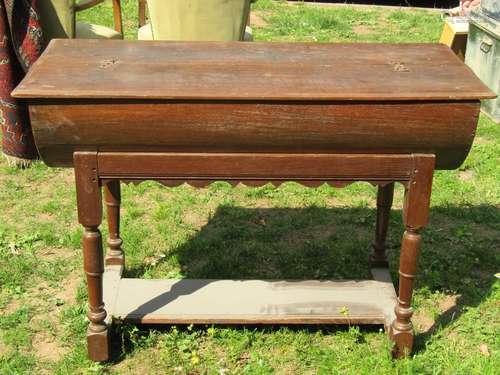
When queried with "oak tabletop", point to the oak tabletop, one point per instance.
{"points": [[117, 69]]}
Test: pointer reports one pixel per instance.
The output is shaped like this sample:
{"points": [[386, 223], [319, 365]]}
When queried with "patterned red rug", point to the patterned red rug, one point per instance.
{"points": [[20, 45]]}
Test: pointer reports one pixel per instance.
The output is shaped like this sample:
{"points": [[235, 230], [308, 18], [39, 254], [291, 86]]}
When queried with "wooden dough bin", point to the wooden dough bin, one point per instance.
{"points": [[251, 113]]}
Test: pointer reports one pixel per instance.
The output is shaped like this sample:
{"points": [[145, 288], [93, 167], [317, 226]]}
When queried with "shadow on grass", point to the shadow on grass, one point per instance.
{"points": [[458, 254]]}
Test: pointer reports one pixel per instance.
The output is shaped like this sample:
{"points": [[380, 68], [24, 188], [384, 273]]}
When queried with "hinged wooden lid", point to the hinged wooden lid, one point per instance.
{"points": [[104, 69]]}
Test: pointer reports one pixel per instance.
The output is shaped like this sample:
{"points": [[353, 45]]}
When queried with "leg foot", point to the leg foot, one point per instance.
{"points": [[402, 328], [98, 345], [403, 342]]}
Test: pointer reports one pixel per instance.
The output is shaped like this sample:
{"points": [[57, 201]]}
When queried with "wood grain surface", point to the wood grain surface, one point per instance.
{"points": [[249, 71], [252, 301], [254, 166], [445, 129]]}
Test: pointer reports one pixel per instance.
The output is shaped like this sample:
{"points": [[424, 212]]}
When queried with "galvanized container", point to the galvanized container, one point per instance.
{"points": [[483, 54], [491, 8]]}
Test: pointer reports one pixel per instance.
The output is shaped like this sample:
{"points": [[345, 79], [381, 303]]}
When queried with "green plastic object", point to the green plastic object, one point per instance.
{"points": [[57, 18], [203, 20]]}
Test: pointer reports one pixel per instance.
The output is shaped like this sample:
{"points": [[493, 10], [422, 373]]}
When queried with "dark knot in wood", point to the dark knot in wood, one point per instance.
{"points": [[107, 63]]}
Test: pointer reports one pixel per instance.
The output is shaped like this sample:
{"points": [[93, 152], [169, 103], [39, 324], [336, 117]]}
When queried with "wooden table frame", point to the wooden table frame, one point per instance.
{"points": [[237, 112], [94, 170]]}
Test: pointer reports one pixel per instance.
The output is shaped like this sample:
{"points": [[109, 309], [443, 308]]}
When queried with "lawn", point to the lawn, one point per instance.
{"points": [[267, 232]]}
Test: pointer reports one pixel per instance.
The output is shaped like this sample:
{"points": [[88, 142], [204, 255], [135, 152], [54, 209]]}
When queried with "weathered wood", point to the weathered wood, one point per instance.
{"points": [[112, 195], [253, 301], [117, 16], [88, 190], [90, 215], [384, 202], [445, 129], [111, 282], [250, 71], [142, 13], [235, 97], [415, 216], [199, 112], [382, 275], [417, 200], [219, 166]]}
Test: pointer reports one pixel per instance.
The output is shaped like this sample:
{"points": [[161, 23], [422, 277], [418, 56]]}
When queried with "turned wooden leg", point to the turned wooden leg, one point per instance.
{"points": [[97, 333], [112, 198], [415, 216], [142, 13], [90, 216], [384, 203]]}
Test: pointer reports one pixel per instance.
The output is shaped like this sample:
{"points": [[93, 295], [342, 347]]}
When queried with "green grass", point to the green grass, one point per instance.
{"points": [[267, 232]]}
